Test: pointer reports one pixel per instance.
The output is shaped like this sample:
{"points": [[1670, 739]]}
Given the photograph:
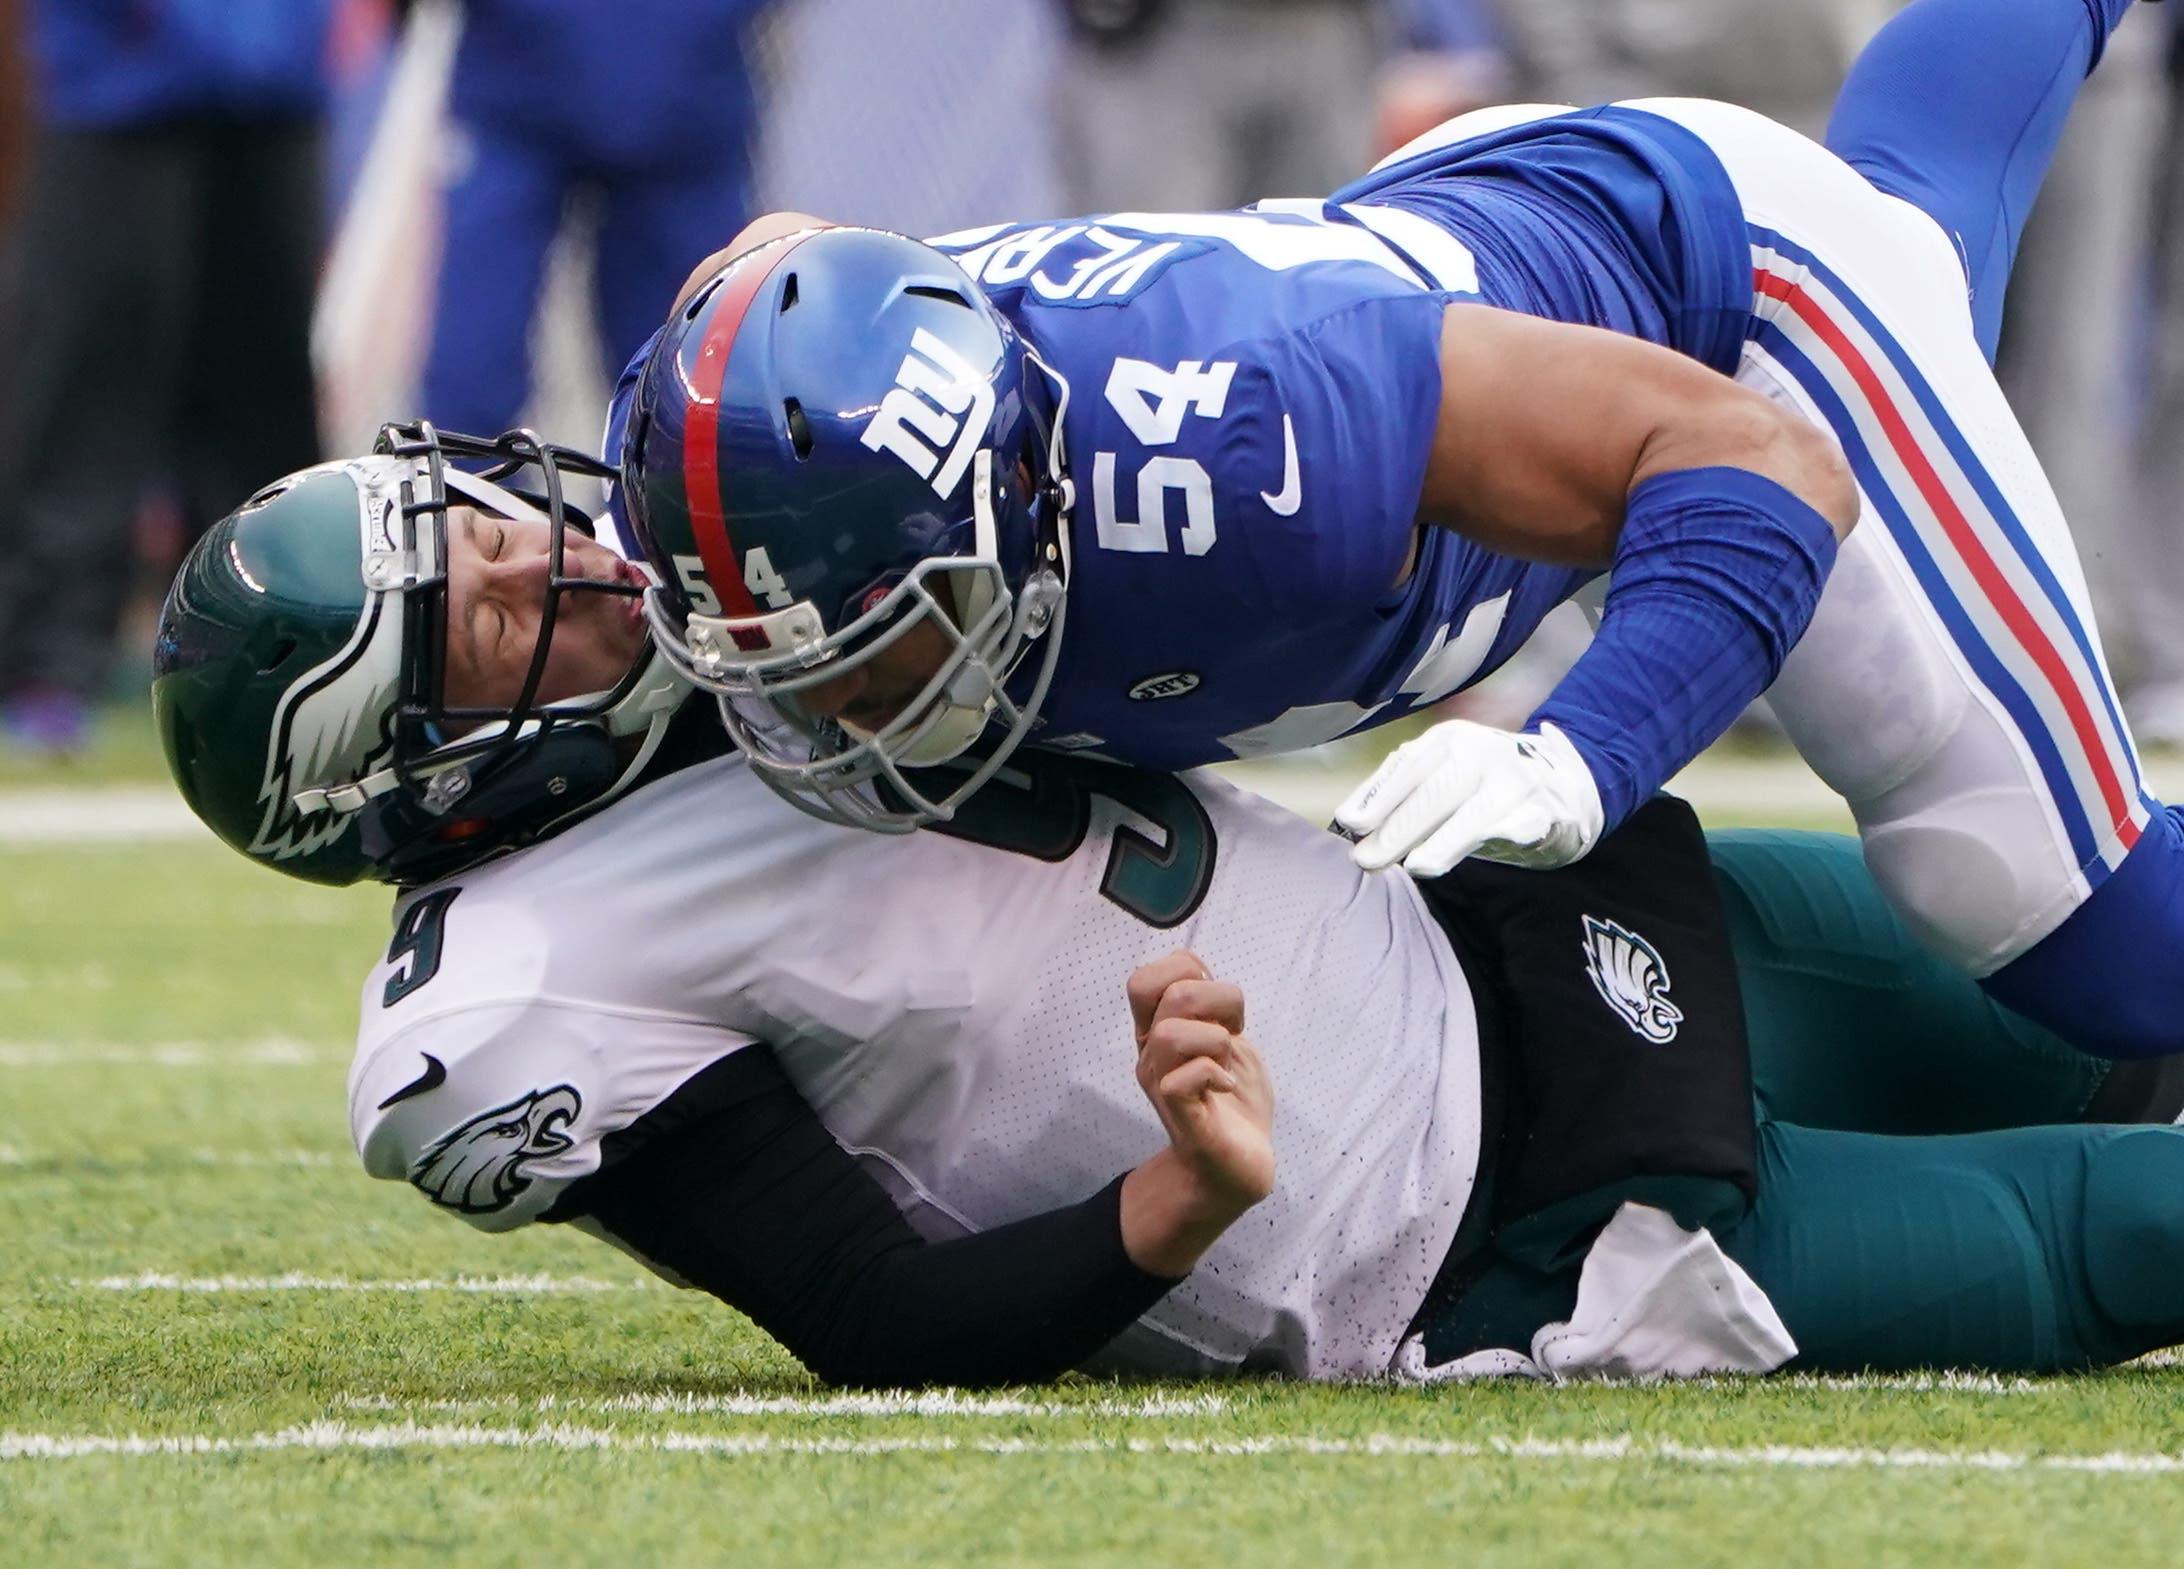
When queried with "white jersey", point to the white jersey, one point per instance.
{"points": [[955, 1014]]}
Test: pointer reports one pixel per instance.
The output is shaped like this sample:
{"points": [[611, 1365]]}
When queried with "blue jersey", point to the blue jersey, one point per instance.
{"points": [[1251, 402], [1253, 398], [117, 64]]}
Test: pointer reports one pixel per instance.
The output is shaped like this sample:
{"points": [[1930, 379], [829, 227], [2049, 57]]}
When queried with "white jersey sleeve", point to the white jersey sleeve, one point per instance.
{"points": [[492, 1106]]}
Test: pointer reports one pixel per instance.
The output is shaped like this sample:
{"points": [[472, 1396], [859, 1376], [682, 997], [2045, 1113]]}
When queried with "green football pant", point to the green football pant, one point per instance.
{"points": [[1906, 1216]]}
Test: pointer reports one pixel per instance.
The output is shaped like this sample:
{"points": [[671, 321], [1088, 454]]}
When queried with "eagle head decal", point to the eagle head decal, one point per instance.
{"points": [[1631, 978], [478, 1168]]}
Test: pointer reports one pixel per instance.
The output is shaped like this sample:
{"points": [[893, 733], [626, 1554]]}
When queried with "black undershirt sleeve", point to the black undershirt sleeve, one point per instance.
{"points": [[735, 1186]]}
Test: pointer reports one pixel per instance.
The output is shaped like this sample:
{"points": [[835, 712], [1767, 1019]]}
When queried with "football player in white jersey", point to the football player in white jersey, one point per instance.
{"points": [[891, 1097]]}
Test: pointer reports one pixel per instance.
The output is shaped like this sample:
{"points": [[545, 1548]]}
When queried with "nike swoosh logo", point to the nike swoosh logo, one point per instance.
{"points": [[1292, 493], [432, 1078]]}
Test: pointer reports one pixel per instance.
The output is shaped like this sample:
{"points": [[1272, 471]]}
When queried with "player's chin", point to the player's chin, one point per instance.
{"points": [[596, 657]]}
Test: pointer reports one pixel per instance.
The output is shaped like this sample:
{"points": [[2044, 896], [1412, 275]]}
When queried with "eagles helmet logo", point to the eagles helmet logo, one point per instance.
{"points": [[333, 724], [478, 1168], [1631, 978]]}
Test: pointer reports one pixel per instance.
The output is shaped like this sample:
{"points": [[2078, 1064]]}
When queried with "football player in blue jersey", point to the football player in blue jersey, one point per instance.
{"points": [[1294, 471]]}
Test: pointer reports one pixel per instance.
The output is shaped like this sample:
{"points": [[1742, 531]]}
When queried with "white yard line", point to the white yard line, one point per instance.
{"points": [[300, 1160], [276, 1052], [484, 1285], [330, 1436], [96, 814], [917, 1403], [1727, 785], [1887, 1383]]}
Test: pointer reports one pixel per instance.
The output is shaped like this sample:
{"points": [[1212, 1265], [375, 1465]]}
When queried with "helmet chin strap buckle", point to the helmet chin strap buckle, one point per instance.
{"points": [[1040, 598], [344, 798], [445, 788]]}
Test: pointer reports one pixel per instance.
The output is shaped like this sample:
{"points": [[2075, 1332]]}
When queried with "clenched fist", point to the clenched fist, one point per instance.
{"points": [[1211, 1091]]}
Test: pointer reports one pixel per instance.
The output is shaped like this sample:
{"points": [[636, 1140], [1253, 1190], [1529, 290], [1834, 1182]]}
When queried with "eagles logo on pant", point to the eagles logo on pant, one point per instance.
{"points": [[478, 1168]]}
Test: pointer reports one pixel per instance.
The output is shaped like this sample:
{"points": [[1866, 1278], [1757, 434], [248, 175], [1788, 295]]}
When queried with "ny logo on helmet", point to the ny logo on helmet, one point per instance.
{"points": [[924, 416]]}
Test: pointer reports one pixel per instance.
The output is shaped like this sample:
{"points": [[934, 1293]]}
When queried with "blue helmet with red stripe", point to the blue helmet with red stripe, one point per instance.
{"points": [[841, 458]]}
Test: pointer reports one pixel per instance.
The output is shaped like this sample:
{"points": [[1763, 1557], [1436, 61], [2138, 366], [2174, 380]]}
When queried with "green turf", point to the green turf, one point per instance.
{"points": [[123, 749], [220, 1165]]}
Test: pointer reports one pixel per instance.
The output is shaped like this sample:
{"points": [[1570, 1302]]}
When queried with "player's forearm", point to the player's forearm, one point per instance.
{"points": [[1717, 574], [757, 1204], [1171, 1216]]}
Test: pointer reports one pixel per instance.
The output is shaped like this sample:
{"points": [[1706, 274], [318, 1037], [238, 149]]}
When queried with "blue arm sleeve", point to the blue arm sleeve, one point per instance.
{"points": [[1717, 575]]}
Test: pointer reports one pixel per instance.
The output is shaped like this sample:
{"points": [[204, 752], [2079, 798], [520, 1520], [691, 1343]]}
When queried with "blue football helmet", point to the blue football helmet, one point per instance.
{"points": [[837, 440]]}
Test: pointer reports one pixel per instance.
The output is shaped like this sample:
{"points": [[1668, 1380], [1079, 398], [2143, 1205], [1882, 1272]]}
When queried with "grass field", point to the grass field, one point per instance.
{"points": [[220, 1343]]}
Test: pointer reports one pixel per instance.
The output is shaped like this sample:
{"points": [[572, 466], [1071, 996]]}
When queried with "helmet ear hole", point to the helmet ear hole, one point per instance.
{"points": [[799, 429], [277, 656], [788, 295], [697, 301]]}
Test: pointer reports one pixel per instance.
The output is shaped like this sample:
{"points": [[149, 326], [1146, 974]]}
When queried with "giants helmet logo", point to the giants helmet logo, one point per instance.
{"points": [[924, 416], [478, 1168]]}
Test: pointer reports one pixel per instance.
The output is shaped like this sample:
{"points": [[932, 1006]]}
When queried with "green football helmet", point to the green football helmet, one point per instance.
{"points": [[297, 674]]}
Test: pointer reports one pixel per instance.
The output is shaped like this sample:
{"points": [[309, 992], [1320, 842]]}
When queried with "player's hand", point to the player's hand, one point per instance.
{"points": [[1206, 1081], [1463, 789], [1213, 1096]]}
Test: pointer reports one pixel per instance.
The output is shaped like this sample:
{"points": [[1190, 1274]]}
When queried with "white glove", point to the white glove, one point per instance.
{"points": [[1463, 789]]}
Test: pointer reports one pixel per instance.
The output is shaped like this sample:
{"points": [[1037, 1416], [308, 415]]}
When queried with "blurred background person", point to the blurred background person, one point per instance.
{"points": [[870, 117], [1449, 57], [157, 309], [2075, 357], [640, 114], [1197, 105], [2154, 580], [1785, 58]]}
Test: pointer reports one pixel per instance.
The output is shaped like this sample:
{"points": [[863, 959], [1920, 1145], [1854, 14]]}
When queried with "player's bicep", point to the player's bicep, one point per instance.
{"points": [[1546, 428]]}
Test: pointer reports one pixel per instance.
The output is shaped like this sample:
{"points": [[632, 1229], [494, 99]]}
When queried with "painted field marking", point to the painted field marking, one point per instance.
{"points": [[1730, 783], [300, 1160], [102, 814], [274, 1052], [328, 1436], [483, 1285], [1883, 1383], [898, 1402]]}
